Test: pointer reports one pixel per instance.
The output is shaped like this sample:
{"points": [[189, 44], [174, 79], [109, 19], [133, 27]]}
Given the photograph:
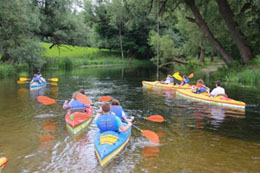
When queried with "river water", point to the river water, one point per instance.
{"points": [[195, 137]]}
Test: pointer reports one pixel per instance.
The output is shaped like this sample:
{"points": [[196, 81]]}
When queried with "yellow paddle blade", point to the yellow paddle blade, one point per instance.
{"points": [[23, 79], [177, 76], [54, 79]]}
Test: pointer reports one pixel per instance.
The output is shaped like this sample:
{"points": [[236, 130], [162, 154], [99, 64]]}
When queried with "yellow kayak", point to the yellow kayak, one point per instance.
{"points": [[219, 100], [157, 84]]}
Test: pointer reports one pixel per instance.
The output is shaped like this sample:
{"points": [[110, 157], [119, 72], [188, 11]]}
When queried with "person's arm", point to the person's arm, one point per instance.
{"points": [[125, 128], [66, 105]]}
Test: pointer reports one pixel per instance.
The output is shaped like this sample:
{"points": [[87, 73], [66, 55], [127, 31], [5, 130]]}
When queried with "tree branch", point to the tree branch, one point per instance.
{"points": [[192, 20]]}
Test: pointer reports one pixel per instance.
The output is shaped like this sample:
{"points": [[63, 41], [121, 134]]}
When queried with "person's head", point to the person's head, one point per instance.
{"points": [[218, 83], [184, 76], [74, 95], [35, 75], [106, 108], [200, 81], [38, 73], [82, 91], [115, 102]]}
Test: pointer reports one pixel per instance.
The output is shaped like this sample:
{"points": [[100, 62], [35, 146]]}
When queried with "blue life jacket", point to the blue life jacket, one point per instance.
{"points": [[35, 79], [186, 81], [201, 90], [107, 122], [117, 110], [75, 104], [171, 80]]}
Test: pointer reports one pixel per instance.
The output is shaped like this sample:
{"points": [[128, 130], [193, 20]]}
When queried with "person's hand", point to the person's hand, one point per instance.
{"points": [[132, 118], [129, 124]]}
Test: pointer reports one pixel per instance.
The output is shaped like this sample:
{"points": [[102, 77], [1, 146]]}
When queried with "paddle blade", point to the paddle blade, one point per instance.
{"points": [[177, 76], [23, 79], [54, 79], [53, 83], [105, 98], [151, 136], [191, 75], [3, 162], [83, 99], [46, 100], [155, 118]]}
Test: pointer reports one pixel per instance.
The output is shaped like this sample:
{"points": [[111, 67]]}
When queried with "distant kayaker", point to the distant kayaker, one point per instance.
{"points": [[41, 79], [200, 87], [185, 80], [35, 79], [74, 103], [118, 110], [217, 91], [106, 121], [169, 80]]}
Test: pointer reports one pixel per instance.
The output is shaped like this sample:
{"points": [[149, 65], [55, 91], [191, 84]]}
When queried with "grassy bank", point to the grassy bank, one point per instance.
{"points": [[67, 57]]}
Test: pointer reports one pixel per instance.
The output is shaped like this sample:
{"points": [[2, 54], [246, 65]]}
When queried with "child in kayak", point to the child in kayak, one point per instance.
{"points": [[200, 87], [41, 79], [74, 103], [36, 79], [106, 121], [185, 80], [217, 91], [119, 112], [169, 80]]}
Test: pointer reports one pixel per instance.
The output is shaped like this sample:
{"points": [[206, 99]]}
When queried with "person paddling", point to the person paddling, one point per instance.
{"points": [[119, 111], [106, 121], [74, 104], [36, 79], [217, 91]]}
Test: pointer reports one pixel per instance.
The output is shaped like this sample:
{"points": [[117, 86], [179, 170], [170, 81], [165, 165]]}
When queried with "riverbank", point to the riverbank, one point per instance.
{"points": [[68, 57]]}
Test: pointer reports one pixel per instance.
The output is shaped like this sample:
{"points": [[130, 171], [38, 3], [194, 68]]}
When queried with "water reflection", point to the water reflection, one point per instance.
{"points": [[48, 133]]}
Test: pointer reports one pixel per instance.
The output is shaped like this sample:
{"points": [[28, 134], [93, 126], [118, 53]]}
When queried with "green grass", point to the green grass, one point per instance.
{"points": [[67, 57]]}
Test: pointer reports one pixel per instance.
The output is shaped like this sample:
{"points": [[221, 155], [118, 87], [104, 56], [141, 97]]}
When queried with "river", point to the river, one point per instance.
{"points": [[194, 138]]}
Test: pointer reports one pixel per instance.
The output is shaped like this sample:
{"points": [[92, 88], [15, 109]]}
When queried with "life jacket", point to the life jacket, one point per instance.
{"points": [[75, 104], [107, 122], [35, 79], [171, 80], [186, 81], [117, 110]]}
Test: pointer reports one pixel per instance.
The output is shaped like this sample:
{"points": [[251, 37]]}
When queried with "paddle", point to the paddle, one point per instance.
{"points": [[150, 135], [177, 76], [154, 118], [49, 101], [3, 162], [105, 98], [51, 79]]}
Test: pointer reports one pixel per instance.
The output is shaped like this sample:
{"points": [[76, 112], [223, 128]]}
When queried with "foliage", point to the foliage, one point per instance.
{"points": [[7, 69]]}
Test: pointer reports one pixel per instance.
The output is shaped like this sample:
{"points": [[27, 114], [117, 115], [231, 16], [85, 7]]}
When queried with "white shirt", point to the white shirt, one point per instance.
{"points": [[217, 91]]}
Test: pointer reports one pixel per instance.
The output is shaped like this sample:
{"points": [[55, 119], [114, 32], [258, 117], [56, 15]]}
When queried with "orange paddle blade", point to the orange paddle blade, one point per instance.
{"points": [[105, 98], [83, 99], [46, 100], [3, 162], [191, 75], [155, 118], [151, 136]]}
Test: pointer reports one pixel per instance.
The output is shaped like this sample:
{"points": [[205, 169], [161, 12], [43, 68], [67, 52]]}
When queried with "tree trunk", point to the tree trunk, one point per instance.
{"points": [[212, 56], [121, 42], [227, 14], [202, 55], [208, 34]]}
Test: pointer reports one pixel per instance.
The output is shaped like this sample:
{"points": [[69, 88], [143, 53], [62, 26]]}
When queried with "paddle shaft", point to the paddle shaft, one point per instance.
{"points": [[136, 127]]}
